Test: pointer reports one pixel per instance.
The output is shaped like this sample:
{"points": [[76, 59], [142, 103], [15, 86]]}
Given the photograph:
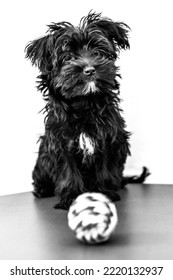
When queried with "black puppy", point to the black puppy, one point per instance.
{"points": [[85, 144]]}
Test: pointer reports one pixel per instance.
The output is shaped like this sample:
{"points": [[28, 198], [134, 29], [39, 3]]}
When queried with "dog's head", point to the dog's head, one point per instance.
{"points": [[79, 60]]}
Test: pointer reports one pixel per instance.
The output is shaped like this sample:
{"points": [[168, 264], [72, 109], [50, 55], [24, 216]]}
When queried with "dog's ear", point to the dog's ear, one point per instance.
{"points": [[43, 52], [116, 32], [39, 52]]}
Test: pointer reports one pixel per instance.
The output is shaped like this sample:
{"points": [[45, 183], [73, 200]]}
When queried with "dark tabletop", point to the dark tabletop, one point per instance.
{"points": [[31, 228]]}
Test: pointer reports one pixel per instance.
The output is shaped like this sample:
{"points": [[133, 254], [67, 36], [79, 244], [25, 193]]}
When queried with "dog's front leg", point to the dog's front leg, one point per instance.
{"points": [[69, 184]]}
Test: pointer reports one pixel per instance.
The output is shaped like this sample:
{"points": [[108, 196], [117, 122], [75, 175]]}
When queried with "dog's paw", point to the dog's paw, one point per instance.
{"points": [[38, 194], [113, 196], [41, 193], [63, 204]]}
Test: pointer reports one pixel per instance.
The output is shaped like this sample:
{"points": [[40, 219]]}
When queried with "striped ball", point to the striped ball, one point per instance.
{"points": [[92, 217]]}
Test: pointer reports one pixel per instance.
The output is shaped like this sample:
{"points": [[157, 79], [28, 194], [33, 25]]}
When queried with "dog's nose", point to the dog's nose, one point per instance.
{"points": [[89, 70]]}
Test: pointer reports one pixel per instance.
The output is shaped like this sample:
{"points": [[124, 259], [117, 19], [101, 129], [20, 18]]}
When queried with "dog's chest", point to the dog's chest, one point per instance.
{"points": [[86, 117], [87, 129]]}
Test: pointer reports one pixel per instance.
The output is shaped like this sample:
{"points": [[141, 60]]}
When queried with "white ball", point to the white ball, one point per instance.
{"points": [[92, 217]]}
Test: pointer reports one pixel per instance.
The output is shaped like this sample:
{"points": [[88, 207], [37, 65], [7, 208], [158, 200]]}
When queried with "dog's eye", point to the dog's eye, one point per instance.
{"points": [[110, 56], [99, 54], [68, 57], [96, 53]]}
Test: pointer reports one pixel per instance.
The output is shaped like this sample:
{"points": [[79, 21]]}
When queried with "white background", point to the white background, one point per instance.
{"points": [[146, 87]]}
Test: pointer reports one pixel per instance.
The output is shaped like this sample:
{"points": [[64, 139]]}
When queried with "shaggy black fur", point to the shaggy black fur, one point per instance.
{"points": [[85, 144]]}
